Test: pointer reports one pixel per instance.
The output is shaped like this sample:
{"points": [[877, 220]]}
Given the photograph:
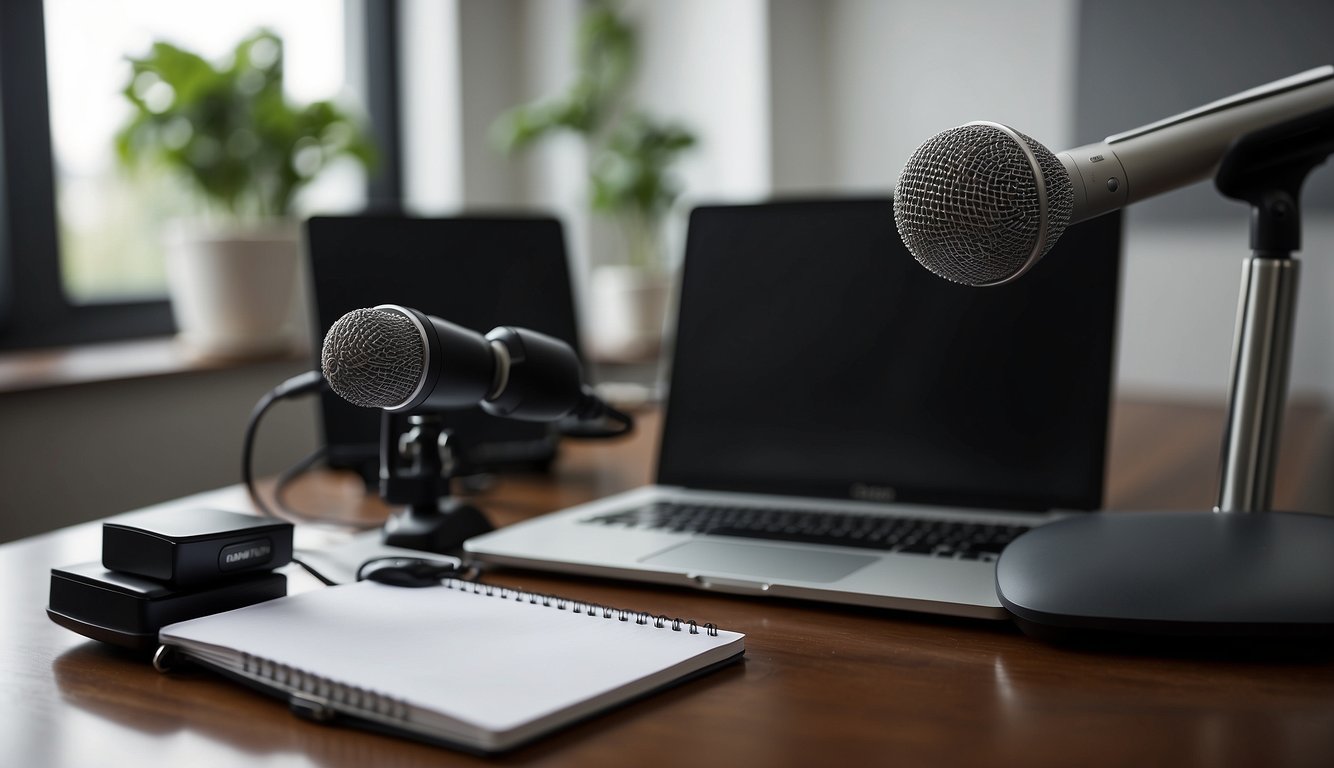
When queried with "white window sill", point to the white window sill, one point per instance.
{"points": [[27, 370]]}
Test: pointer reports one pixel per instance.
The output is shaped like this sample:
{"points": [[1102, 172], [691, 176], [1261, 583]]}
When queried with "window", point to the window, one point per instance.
{"points": [[79, 253]]}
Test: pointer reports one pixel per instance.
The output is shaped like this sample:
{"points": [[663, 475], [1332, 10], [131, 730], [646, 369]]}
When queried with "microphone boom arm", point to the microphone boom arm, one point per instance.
{"points": [[1185, 148]]}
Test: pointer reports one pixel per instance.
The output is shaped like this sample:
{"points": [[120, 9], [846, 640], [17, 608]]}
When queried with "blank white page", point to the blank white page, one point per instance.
{"points": [[489, 662]]}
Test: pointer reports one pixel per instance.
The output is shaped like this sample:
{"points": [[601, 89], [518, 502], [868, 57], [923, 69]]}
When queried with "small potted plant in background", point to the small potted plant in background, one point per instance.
{"points": [[238, 145], [630, 154]]}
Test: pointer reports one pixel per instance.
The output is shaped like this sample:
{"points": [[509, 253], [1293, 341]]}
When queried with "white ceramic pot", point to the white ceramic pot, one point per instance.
{"points": [[628, 313], [232, 291]]}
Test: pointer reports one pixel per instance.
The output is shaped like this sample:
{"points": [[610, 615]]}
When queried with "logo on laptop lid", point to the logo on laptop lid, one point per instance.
{"points": [[867, 492]]}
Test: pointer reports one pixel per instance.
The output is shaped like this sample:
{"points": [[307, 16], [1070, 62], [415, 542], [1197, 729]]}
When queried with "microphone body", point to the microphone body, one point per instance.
{"points": [[982, 203], [1185, 148], [459, 369], [405, 361], [544, 381]]}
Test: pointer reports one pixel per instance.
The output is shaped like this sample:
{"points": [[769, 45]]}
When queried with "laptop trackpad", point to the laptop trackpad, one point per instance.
{"points": [[760, 561]]}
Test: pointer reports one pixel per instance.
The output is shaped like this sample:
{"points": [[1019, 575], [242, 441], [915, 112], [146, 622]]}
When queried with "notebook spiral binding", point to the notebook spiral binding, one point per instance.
{"points": [[593, 610], [324, 688]]}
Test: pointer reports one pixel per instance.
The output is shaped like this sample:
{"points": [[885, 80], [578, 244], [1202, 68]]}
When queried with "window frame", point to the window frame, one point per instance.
{"points": [[35, 312]]}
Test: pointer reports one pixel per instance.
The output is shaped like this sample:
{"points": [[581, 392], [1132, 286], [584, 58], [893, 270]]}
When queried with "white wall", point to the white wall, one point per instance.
{"points": [[705, 63], [801, 146], [429, 96], [552, 174], [1179, 307], [77, 453], [858, 84], [901, 72]]}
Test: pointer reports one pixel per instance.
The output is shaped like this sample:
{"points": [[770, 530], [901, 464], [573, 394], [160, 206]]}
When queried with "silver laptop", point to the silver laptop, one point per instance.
{"points": [[843, 426]]}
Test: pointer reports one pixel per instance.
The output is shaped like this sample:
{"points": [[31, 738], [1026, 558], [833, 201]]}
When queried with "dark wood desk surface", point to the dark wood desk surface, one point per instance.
{"points": [[820, 685]]}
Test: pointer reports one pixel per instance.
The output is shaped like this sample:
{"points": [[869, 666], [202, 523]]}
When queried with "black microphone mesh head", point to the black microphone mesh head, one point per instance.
{"points": [[373, 358], [968, 208]]}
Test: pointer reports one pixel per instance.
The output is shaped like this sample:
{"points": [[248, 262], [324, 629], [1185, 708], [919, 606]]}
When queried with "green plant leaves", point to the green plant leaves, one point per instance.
{"points": [[230, 130], [632, 170], [630, 152]]}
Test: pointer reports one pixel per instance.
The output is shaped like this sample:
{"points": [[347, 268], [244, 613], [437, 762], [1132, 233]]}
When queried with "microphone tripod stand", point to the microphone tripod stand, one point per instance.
{"points": [[417, 466], [1243, 573]]}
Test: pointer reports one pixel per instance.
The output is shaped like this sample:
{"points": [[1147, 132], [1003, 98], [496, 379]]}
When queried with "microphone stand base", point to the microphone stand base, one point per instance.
{"points": [[440, 528], [1196, 581]]}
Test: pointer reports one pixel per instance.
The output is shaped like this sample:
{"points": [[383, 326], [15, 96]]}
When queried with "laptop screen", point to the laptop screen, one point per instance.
{"points": [[815, 357]]}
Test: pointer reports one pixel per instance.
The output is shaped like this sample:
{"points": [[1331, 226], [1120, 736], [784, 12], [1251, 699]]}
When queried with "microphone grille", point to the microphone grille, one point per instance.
{"points": [[967, 204], [374, 358]]}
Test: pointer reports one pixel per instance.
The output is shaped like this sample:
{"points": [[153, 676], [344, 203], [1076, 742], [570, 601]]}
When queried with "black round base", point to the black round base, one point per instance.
{"points": [[1173, 577], [441, 529]]}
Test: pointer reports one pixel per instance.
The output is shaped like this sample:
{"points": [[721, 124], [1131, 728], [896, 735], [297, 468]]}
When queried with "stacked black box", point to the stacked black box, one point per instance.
{"points": [[163, 566]]}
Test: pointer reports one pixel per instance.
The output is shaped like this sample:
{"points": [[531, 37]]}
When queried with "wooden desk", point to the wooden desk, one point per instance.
{"points": [[820, 685]]}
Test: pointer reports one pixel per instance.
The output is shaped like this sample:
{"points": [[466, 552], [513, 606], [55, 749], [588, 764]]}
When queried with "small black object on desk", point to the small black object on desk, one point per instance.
{"points": [[127, 610], [417, 466], [196, 547], [163, 566], [408, 571]]}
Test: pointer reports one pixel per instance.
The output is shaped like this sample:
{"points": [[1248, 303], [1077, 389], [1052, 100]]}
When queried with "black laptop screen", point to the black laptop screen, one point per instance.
{"points": [[814, 356]]}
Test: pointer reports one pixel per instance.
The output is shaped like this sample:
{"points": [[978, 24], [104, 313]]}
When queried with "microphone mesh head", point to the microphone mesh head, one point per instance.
{"points": [[967, 204], [373, 358]]}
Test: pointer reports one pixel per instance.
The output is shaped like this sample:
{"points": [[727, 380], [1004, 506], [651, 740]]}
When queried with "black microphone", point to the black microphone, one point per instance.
{"points": [[403, 360], [982, 203]]}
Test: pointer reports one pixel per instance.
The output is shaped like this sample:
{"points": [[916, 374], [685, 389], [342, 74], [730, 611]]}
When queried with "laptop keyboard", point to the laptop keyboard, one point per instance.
{"points": [[908, 535]]}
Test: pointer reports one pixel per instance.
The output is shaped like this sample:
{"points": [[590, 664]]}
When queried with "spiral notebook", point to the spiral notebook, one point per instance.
{"points": [[464, 664]]}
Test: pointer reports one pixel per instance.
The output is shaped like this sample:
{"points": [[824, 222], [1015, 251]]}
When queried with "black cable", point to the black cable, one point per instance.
{"points": [[425, 567], [301, 384], [248, 449], [292, 473], [285, 480], [627, 421], [582, 430], [584, 422], [325, 580], [310, 381]]}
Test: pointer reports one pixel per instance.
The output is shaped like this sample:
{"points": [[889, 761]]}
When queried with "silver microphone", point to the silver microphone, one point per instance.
{"points": [[982, 203]]}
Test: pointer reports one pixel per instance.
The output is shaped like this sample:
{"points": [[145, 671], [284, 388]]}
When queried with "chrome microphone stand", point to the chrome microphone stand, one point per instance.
{"points": [[1267, 170], [1243, 576], [1261, 355]]}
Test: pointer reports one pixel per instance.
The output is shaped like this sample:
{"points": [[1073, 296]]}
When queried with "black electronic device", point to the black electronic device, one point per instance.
{"points": [[128, 610], [189, 548], [478, 271]]}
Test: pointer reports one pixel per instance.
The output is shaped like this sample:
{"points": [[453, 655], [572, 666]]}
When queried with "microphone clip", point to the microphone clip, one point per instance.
{"points": [[418, 465]]}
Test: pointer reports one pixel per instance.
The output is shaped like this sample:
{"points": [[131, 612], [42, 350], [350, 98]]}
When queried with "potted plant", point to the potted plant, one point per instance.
{"points": [[630, 155], [244, 152]]}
